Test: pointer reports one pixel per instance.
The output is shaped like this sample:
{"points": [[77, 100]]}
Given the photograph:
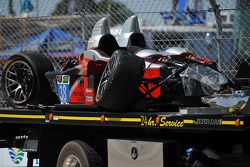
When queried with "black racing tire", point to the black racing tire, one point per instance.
{"points": [[28, 72], [118, 88], [78, 153]]}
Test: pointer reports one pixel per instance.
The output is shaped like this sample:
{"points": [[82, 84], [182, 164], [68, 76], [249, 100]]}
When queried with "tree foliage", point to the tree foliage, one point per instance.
{"points": [[61, 8], [117, 12]]}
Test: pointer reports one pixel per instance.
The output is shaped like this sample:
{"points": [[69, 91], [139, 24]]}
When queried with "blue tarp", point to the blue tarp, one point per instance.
{"points": [[53, 41]]}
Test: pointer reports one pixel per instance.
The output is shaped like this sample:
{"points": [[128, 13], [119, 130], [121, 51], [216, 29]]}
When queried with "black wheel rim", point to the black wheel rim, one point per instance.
{"points": [[106, 77], [71, 161], [19, 81]]}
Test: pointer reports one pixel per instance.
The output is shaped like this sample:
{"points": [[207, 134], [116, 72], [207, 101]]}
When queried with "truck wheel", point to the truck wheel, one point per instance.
{"points": [[78, 154], [119, 85], [23, 79]]}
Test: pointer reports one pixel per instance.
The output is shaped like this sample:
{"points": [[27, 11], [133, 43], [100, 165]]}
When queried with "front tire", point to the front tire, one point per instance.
{"points": [[118, 88], [78, 154]]}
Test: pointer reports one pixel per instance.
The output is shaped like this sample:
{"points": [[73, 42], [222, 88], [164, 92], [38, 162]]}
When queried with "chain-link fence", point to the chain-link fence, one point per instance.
{"points": [[214, 29]]}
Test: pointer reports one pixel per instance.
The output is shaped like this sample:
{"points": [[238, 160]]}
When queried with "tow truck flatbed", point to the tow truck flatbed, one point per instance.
{"points": [[43, 131], [189, 118]]}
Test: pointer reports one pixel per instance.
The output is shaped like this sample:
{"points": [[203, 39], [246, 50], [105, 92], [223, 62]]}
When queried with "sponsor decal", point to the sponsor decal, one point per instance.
{"points": [[161, 121], [63, 79], [208, 121], [171, 123], [147, 121], [134, 153], [16, 155]]}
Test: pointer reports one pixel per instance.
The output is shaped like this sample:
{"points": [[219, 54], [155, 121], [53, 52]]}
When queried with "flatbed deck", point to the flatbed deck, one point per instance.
{"points": [[189, 118]]}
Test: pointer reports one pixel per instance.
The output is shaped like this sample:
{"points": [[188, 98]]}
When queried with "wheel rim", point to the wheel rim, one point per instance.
{"points": [[71, 161], [106, 77], [19, 81]]}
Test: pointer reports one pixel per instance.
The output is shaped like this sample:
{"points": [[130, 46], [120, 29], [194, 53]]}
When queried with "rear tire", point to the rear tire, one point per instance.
{"points": [[118, 88], [24, 82], [78, 154]]}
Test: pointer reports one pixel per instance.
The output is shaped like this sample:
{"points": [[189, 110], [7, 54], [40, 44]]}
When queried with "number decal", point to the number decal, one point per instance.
{"points": [[63, 88]]}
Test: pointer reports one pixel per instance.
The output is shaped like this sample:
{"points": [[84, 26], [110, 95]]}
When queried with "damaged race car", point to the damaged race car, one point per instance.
{"points": [[117, 75]]}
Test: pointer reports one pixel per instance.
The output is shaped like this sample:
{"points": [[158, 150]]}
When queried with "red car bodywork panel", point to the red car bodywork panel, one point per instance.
{"points": [[149, 75], [83, 89]]}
